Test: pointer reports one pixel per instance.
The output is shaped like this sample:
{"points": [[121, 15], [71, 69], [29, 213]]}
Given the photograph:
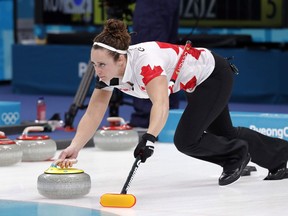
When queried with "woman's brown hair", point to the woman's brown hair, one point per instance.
{"points": [[114, 34]]}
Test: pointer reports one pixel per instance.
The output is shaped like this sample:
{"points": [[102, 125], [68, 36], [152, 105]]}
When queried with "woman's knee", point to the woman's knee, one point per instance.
{"points": [[182, 142]]}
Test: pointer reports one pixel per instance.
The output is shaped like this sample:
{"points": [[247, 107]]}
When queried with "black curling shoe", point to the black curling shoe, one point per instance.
{"points": [[228, 177], [281, 173]]}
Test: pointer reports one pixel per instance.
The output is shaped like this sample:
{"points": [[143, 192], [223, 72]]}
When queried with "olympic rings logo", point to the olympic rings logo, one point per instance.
{"points": [[10, 118]]}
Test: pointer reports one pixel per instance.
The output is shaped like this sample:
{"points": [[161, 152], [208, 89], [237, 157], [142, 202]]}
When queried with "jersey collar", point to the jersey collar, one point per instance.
{"points": [[128, 70]]}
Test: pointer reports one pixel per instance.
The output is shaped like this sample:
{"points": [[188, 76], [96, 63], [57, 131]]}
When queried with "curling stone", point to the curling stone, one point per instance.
{"points": [[66, 183], [36, 147], [116, 137], [10, 152]]}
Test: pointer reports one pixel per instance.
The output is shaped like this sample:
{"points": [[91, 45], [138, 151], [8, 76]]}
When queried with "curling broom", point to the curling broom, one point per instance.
{"points": [[122, 200]]}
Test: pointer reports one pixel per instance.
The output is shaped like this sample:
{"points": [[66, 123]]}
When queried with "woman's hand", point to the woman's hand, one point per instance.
{"points": [[69, 153]]}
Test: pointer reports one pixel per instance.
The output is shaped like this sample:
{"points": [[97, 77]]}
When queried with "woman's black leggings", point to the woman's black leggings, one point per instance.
{"points": [[205, 130]]}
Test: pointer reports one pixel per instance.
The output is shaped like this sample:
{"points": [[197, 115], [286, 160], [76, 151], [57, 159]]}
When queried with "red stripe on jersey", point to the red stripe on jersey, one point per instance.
{"points": [[192, 51], [148, 73], [195, 52], [167, 45]]}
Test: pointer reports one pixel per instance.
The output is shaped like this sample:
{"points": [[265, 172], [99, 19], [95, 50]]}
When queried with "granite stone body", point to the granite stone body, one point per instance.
{"points": [[64, 186], [10, 153]]}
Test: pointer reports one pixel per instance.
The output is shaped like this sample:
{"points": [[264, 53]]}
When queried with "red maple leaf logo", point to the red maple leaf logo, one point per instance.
{"points": [[189, 85], [148, 73]]}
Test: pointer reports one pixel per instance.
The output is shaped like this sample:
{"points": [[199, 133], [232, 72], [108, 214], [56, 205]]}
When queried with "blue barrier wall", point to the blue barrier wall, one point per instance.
{"points": [[49, 69], [263, 75], [57, 69], [6, 38], [270, 124]]}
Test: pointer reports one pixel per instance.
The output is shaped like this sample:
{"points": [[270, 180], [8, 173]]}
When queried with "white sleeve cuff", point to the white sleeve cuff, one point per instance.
{"points": [[149, 143]]}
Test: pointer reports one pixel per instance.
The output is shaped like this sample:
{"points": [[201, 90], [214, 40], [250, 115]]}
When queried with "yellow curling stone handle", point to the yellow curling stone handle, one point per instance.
{"points": [[54, 169]]}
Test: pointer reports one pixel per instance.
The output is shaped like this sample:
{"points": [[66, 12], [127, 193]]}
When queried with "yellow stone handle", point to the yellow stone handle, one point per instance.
{"points": [[56, 162]]}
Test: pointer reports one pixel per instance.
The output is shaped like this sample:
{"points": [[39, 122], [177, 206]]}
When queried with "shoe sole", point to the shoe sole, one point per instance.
{"points": [[273, 178], [247, 160]]}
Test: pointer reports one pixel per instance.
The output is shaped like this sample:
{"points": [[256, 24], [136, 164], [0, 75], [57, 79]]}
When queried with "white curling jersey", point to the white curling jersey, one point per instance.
{"points": [[148, 60]]}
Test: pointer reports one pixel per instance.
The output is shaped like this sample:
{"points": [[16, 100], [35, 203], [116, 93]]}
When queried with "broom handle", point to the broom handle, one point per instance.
{"points": [[137, 161], [131, 175]]}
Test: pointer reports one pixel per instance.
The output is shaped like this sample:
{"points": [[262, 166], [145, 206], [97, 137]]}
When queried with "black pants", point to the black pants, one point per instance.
{"points": [[205, 130]]}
